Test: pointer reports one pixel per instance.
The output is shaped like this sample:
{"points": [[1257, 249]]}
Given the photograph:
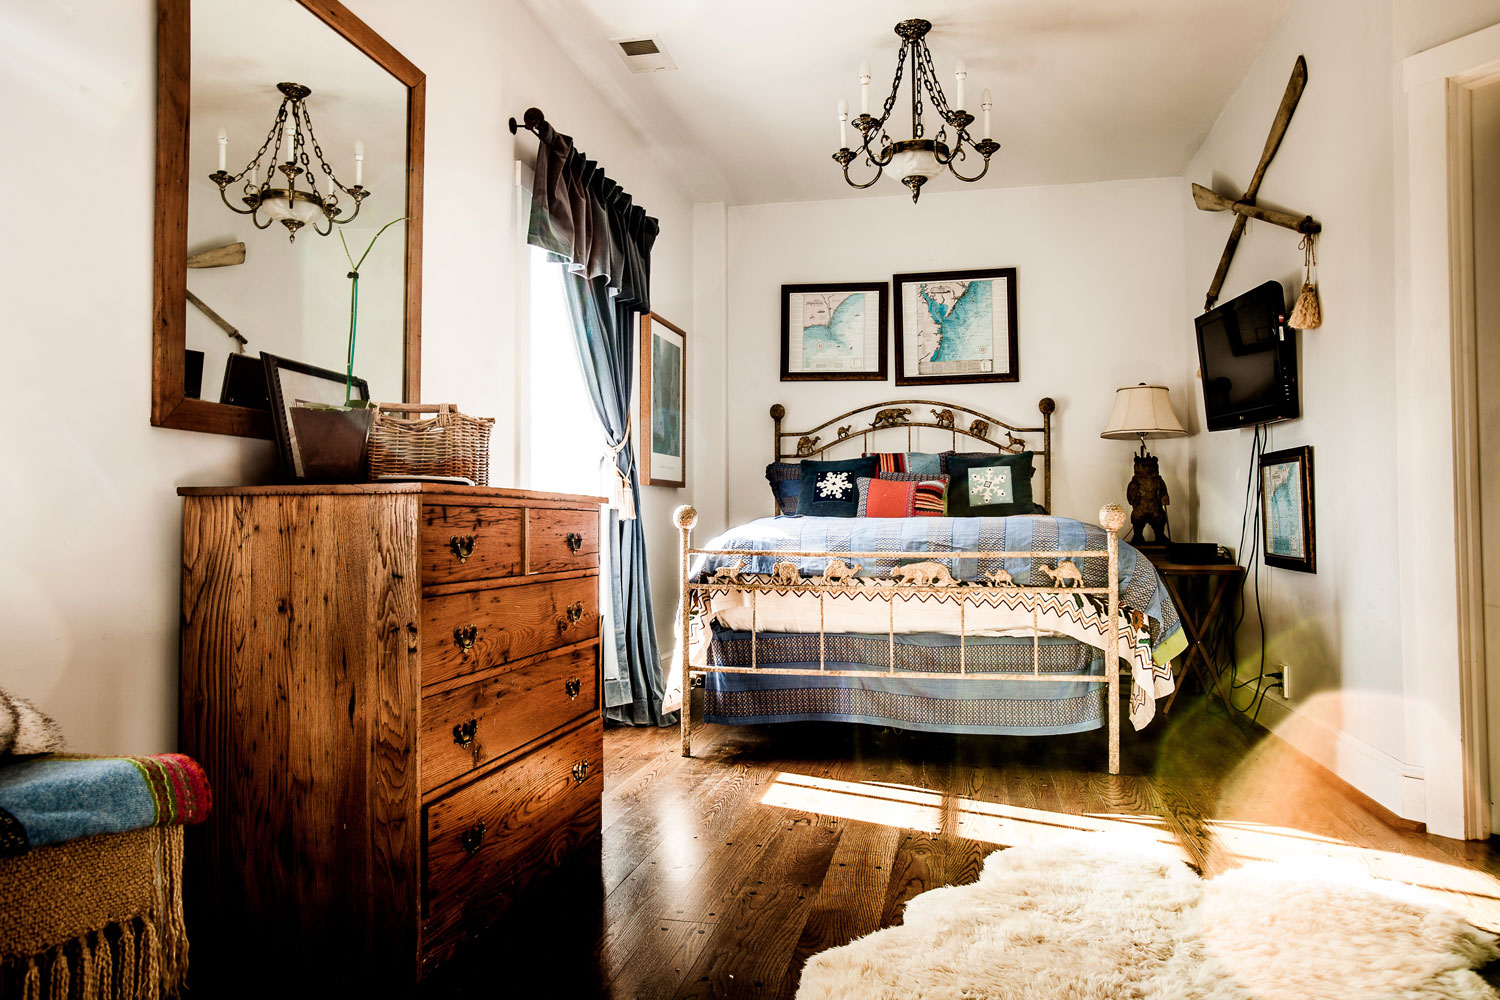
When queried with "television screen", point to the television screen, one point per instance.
{"points": [[1248, 359]]}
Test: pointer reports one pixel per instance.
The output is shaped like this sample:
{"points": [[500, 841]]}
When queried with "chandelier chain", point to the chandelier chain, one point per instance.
{"points": [[332, 198]]}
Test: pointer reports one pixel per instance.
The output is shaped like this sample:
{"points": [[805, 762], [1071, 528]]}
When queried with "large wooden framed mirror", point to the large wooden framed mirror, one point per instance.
{"points": [[218, 66]]}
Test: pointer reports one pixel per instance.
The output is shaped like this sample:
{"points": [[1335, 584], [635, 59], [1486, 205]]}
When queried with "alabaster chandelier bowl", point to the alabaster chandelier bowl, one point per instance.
{"points": [[919, 158], [280, 183]]}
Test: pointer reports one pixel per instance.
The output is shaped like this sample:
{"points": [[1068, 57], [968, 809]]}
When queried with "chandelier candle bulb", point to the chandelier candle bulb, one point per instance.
{"points": [[223, 147], [985, 103], [864, 88], [359, 163], [843, 124], [960, 73]]}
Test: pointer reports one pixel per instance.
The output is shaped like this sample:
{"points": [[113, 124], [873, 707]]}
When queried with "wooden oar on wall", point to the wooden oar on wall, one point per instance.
{"points": [[1244, 207], [224, 256]]}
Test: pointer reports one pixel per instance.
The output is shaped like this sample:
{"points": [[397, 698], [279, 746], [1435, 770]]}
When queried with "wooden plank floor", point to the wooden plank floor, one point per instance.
{"points": [[719, 875]]}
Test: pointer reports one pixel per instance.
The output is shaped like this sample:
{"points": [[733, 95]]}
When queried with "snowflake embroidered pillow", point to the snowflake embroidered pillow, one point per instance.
{"points": [[831, 489], [990, 485]]}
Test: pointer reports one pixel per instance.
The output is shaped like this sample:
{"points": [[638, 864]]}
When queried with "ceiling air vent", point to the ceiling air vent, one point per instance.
{"points": [[644, 54]]}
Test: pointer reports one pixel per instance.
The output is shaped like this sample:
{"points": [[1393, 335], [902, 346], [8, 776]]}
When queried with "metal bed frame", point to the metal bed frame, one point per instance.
{"points": [[895, 415]]}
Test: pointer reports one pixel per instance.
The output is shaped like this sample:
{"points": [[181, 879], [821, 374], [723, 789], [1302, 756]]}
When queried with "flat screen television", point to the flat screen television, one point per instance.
{"points": [[1248, 359]]}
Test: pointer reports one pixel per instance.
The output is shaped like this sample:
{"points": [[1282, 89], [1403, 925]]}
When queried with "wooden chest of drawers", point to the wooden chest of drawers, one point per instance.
{"points": [[395, 693]]}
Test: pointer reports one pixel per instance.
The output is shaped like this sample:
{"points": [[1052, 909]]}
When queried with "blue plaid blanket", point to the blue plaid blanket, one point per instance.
{"points": [[1141, 590]]}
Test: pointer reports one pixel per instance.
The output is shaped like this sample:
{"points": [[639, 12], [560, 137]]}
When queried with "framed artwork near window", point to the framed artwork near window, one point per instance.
{"points": [[834, 333], [663, 402], [1286, 509], [956, 326]]}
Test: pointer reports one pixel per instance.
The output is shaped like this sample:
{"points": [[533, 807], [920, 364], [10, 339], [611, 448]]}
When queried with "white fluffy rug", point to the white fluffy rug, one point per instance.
{"points": [[1084, 920]]}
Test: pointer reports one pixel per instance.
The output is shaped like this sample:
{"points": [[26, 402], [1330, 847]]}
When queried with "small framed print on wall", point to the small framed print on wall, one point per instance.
{"points": [[956, 326], [1286, 509], [663, 402], [833, 333]]}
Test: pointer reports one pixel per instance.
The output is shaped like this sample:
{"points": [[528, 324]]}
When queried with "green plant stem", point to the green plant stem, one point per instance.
{"points": [[353, 320]]}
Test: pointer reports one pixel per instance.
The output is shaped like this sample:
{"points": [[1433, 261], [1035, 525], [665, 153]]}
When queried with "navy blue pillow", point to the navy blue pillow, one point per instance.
{"points": [[786, 483], [831, 489], [990, 485]]}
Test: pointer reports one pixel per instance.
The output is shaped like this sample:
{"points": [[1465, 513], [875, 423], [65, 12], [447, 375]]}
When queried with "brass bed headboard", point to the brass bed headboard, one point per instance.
{"points": [[896, 414]]}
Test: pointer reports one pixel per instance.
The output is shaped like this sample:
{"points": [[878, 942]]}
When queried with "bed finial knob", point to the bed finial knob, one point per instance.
{"points": [[777, 411], [1112, 516], [686, 516], [1047, 404]]}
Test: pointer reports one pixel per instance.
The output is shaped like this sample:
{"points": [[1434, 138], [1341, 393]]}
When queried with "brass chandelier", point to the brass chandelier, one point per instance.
{"points": [[280, 199], [917, 160]]}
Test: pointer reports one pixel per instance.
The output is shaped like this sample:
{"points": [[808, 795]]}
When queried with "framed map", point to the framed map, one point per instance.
{"points": [[833, 332], [663, 402], [956, 326], [1286, 509]]}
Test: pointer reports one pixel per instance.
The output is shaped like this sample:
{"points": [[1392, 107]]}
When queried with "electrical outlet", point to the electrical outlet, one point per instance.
{"points": [[1286, 680]]}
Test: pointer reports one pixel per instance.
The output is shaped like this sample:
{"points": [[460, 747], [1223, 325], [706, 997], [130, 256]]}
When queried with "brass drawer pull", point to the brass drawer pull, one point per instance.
{"points": [[572, 687], [462, 546], [575, 542], [472, 838], [464, 637], [580, 772], [573, 614], [464, 733]]}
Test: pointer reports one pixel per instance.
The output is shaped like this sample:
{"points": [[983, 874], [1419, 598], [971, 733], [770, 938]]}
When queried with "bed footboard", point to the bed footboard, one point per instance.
{"points": [[1112, 518]]}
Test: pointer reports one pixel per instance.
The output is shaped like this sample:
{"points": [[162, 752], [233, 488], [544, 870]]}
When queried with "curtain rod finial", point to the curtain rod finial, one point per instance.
{"points": [[513, 126]]}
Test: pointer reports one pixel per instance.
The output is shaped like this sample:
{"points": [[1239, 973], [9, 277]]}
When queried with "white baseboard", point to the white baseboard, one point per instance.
{"points": [[1391, 782]]}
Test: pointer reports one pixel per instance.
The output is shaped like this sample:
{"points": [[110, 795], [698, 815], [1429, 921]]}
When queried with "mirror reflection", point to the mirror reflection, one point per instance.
{"points": [[285, 289]]}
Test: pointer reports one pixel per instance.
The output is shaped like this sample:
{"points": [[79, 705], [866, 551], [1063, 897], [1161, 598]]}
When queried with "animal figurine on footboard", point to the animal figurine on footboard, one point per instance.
{"points": [[728, 574], [785, 574], [1066, 574], [924, 574], [838, 571], [999, 578]]}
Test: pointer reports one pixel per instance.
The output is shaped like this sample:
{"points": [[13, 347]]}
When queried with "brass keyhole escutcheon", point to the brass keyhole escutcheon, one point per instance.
{"points": [[464, 733], [575, 612], [462, 546], [464, 637], [575, 542], [572, 687], [472, 838], [580, 771]]}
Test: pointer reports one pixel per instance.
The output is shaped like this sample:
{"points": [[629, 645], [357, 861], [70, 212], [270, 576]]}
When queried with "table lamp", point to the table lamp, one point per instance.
{"points": [[1144, 411]]}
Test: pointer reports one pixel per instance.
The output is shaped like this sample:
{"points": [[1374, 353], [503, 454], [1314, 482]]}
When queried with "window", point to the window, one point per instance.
{"points": [[563, 437]]}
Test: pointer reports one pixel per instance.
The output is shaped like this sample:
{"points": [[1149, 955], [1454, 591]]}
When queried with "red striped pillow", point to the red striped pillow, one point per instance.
{"points": [[888, 461], [930, 499]]}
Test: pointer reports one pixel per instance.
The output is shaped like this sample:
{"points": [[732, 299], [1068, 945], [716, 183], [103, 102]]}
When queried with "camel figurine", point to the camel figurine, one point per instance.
{"points": [[1066, 574], [785, 574], [944, 418], [838, 571], [924, 574], [728, 574], [999, 578]]}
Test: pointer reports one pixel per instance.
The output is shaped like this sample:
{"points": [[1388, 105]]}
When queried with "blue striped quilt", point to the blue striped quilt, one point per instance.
{"points": [[1141, 589]]}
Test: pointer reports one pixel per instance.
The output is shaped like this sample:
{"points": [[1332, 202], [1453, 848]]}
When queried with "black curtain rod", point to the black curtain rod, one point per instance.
{"points": [[532, 120]]}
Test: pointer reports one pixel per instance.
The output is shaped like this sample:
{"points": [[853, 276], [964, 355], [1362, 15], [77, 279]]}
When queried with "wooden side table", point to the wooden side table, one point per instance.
{"points": [[1198, 617]]}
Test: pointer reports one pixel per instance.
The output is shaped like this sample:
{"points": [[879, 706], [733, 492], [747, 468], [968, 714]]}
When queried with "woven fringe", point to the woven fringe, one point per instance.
{"points": [[127, 980], [61, 976], [31, 986], [104, 964], [136, 966]]}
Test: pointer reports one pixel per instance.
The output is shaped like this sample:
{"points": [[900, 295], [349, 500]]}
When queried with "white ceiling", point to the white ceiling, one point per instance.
{"points": [[1085, 90]]}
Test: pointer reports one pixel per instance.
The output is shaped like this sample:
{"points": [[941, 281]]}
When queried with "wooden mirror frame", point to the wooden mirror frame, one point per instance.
{"points": [[170, 406]]}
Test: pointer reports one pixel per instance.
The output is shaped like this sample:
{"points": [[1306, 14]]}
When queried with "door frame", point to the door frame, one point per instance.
{"points": [[1446, 709]]}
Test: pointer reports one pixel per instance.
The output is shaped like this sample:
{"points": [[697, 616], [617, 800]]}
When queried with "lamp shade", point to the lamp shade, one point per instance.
{"points": [[1142, 411]]}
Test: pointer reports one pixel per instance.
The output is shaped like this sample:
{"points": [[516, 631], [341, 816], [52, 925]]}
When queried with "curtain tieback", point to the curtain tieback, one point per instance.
{"points": [[616, 482]]}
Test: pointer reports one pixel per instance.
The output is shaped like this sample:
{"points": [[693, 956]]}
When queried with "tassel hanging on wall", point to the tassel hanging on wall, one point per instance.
{"points": [[1307, 314]]}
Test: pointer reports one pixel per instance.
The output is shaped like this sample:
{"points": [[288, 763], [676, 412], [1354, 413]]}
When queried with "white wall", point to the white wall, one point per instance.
{"points": [[1343, 161], [91, 537], [1099, 276]]}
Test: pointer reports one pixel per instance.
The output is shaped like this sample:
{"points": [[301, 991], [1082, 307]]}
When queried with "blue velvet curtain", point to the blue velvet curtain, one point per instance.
{"points": [[586, 220]]}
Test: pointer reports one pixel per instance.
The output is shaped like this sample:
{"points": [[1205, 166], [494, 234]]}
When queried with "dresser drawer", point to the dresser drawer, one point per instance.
{"points": [[470, 543], [466, 728], [486, 841], [561, 540], [476, 629]]}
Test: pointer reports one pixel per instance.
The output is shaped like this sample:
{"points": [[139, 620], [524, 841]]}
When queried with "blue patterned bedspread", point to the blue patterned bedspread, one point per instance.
{"points": [[1141, 589]]}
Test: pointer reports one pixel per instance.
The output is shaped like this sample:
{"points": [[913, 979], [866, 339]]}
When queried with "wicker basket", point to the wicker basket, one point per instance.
{"points": [[449, 443]]}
